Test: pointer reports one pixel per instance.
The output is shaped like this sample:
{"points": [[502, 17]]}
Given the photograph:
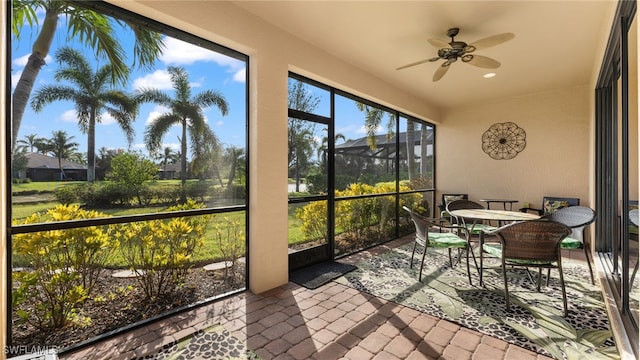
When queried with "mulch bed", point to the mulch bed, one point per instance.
{"points": [[121, 302]]}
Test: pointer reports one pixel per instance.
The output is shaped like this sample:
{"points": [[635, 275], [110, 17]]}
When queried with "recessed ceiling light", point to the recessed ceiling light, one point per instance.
{"points": [[488, 75]]}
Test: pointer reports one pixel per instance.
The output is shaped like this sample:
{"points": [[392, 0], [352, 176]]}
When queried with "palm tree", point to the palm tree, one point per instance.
{"points": [[300, 132], [168, 156], [185, 110], [31, 141], [93, 28], [62, 148], [373, 119], [92, 96], [234, 156]]}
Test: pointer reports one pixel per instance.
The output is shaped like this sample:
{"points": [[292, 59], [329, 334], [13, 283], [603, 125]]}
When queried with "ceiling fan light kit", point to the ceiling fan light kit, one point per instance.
{"points": [[454, 50]]}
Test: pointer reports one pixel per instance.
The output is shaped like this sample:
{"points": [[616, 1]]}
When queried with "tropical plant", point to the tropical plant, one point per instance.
{"points": [[92, 28], [103, 161], [130, 172], [92, 94], [160, 251], [301, 140], [62, 147], [186, 110], [234, 156], [31, 142], [65, 266], [167, 156], [373, 119]]}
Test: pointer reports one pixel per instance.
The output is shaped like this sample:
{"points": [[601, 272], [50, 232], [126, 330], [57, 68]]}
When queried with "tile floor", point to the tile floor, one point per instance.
{"points": [[331, 322]]}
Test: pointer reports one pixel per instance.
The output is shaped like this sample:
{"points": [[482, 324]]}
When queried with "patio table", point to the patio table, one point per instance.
{"points": [[491, 215]]}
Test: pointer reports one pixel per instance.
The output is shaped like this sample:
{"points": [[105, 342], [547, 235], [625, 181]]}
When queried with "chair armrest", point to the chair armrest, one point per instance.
{"points": [[532, 210]]}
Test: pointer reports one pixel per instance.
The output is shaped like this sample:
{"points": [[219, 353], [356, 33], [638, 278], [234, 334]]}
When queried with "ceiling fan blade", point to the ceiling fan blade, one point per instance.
{"points": [[440, 72], [483, 62], [439, 43], [490, 41], [414, 64]]}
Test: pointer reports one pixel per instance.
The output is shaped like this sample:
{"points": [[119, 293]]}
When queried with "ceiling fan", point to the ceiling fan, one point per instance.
{"points": [[454, 50]]}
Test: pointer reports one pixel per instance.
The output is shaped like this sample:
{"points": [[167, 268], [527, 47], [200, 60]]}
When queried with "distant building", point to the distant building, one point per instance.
{"points": [[168, 172], [45, 168]]}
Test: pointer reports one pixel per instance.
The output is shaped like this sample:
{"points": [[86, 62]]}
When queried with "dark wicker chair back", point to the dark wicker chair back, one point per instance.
{"points": [[433, 233], [536, 240], [421, 224], [533, 244], [447, 198], [573, 216], [551, 204], [633, 217], [462, 205], [577, 218]]}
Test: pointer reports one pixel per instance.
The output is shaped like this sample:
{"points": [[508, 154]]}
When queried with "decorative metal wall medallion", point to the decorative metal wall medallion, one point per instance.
{"points": [[503, 141]]}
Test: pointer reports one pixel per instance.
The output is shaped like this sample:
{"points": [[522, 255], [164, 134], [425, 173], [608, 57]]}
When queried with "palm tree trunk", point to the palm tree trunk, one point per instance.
{"points": [[423, 150], [60, 167], [91, 148], [411, 143], [183, 165], [28, 77], [232, 171]]}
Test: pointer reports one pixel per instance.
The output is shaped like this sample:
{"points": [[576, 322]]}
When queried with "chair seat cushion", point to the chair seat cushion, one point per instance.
{"points": [[496, 250], [446, 239], [570, 243], [479, 228]]}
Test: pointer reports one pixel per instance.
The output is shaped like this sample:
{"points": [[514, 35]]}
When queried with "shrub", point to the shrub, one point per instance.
{"points": [[230, 238], [67, 195], [359, 219], [159, 251], [198, 190], [64, 267]]}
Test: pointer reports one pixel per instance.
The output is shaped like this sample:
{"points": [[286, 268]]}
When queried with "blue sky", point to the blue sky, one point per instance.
{"points": [[207, 70]]}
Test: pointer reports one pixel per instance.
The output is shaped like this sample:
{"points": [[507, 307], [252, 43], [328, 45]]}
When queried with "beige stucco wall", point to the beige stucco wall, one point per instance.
{"points": [[555, 161]]}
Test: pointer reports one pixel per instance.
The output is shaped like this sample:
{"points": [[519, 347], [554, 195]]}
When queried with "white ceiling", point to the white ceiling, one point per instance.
{"points": [[557, 43]]}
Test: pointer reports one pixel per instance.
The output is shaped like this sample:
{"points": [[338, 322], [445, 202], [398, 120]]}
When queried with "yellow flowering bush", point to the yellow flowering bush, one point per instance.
{"points": [[358, 218], [160, 251], [63, 266]]}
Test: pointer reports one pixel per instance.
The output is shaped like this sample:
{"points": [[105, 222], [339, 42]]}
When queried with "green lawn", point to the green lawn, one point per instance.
{"points": [[208, 253]]}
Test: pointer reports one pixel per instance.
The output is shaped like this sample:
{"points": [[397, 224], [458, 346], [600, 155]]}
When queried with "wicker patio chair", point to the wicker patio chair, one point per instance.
{"points": [[530, 244], [577, 218], [474, 227], [551, 204], [434, 233]]}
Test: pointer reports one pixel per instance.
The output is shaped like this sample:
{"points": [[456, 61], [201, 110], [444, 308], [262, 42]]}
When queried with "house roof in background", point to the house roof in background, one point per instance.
{"points": [[39, 161]]}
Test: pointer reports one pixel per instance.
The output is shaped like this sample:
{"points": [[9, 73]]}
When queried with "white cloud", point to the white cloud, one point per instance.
{"points": [[156, 112], [107, 119], [363, 130], [70, 116], [173, 146], [159, 79], [240, 76], [178, 53], [22, 61], [14, 78]]}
